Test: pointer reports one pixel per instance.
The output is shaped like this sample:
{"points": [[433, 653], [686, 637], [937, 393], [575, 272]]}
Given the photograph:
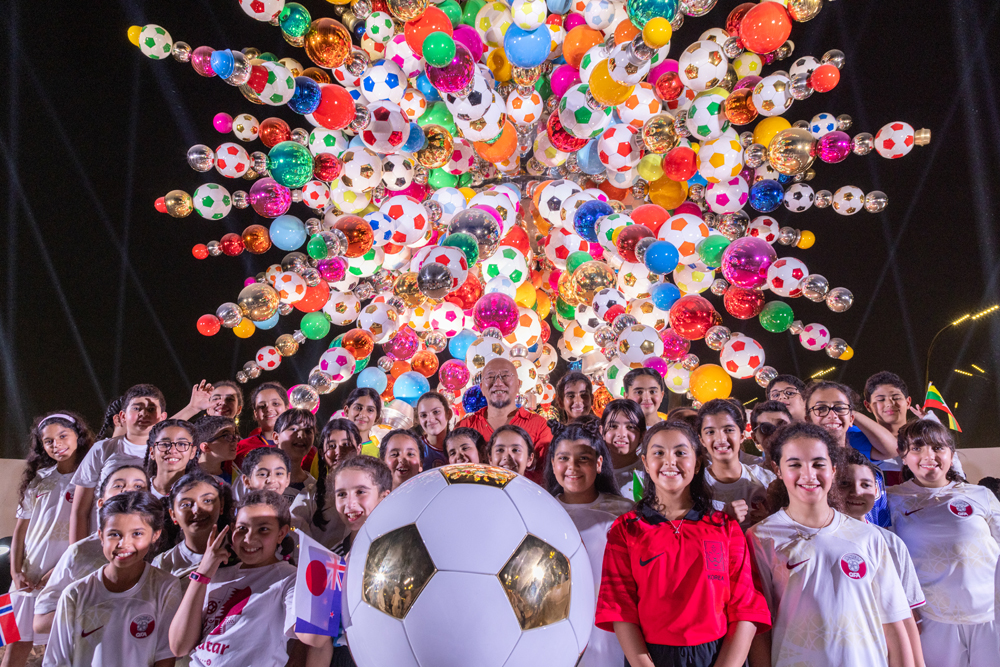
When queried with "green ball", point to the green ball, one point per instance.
{"points": [[710, 249], [466, 243], [361, 364], [439, 178], [294, 20], [564, 310], [337, 342], [438, 114], [472, 8], [315, 326], [453, 11], [575, 259], [317, 247], [543, 87], [776, 316], [439, 49], [464, 179], [290, 164]]}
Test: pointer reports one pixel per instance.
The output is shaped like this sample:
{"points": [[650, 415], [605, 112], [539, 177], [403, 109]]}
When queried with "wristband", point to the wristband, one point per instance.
{"points": [[200, 578]]}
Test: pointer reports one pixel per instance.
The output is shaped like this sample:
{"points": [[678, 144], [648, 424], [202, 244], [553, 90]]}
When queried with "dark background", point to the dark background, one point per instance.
{"points": [[98, 291]]}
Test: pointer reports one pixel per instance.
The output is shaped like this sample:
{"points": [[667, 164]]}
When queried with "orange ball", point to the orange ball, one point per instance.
{"points": [[273, 131], [358, 231], [502, 148], [765, 27], [517, 238], [387, 395], [618, 194], [625, 31], [359, 343], [424, 362], [315, 298], [578, 41], [417, 30], [538, 191], [825, 78], [739, 107], [399, 367], [256, 239]]}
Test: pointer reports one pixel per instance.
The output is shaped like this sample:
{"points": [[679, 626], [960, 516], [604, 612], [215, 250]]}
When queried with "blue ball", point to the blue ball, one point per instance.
{"points": [[223, 63], [425, 86], [664, 295], [268, 323], [588, 160], [586, 217], [527, 48], [373, 378], [558, 6], [576, 365], [356, 142], [415, 141], [305, 99], [473, 399], [766, 195], [459, 345], [697, 179], [662, 257], [410, 386], [288, 233]]}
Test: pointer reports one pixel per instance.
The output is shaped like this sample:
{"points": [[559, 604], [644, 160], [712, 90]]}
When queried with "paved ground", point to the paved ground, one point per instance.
{"points": [[36, 656]]}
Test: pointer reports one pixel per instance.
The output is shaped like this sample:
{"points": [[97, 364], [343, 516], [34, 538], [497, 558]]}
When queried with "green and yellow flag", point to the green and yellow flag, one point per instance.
{"points": [[934, 399]]}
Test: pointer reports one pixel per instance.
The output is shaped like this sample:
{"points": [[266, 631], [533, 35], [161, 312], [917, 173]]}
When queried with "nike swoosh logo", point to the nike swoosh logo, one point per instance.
{"points": [[644, 563], [792, 566], [912, 511], [87, 634]]}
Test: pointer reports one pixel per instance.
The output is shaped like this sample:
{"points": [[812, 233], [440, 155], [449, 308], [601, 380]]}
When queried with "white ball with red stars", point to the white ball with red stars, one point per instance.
{"points": [[764, 227], [448, 318], [814, 337], [727, 196], [618, 147], [316, 195], [291, 287], [268, 357], [413, 104], [338, 363], [785, 275], [388, 129], [410, 218], [685, 231], [741, 356], [231, 160], [641, 105], [894, 140], [562, 243], [262, 10], [454, 259]]}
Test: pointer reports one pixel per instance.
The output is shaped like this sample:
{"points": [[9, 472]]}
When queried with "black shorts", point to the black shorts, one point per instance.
{"points": [[702, 655], [342, 657]]}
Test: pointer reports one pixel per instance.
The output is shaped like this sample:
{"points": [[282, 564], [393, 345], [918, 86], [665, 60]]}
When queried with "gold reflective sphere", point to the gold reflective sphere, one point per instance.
{"points": [[591, 277], [258, 301], [658, 133], [407, 289], [439, 147], [178, 203], [406, 10], [328, 43], [804, 10], [286, 345], [791, 151]]}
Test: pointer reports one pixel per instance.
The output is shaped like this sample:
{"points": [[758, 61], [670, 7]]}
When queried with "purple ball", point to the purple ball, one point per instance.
{"points": [[657, 364], [333, 269], [745, 261], [675, 346], [833, 147], [468, 36], [270, 199], [403, 345], [457, 74], [496, 310]]}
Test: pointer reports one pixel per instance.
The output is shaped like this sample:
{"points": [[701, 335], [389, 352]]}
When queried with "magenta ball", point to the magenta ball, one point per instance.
{"points": [[657, 364], [201, 60], [414, 189], [747, 175], [596, 251], [688, 207], [668, 65], [745, 261], [332, 270], [496, 310], [269, 199], [833, 147], [454, 375], [457, 74], [493, 212], [468, 36], [562, 78], [223, 122], [403, 345], [573, 20], [675, 347], [249, 281], [746, 82]]}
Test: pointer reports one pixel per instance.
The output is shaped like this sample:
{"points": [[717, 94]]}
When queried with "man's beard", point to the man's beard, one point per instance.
{"points": [[500, 404]]}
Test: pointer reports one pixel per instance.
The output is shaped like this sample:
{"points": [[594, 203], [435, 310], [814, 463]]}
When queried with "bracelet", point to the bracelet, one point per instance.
{"points": [[200, 578]]}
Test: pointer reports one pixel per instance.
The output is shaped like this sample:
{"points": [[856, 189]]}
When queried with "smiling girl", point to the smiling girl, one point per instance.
{"points": [[574, 399], [677, 585], [623, 427], [268, 400], [434, 418], [466, 445], [364, 408], [952, 530], [170, 453], [829, 580], [400, 450], [59, 442], [295, 433], [198, 502], [510, 448], [119, 615], [579, 475]]}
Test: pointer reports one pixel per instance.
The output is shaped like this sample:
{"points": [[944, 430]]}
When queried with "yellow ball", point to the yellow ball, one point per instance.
{"points": [[767, 128], [667, 193], [542, 304], [806, 240], [657, 32], [245, 328], [468, 192], [848, 354], [133, 34], [651, 166], [499, 65], [605, 89], [525, 295]]}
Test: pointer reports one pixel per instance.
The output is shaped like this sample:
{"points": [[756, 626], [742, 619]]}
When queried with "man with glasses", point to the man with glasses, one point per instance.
{"points": [[765, 419], [788, 389], [500, 385]]}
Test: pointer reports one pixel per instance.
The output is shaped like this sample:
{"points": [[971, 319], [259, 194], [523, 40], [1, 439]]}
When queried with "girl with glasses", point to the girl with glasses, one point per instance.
{"points": [[170, 454]]}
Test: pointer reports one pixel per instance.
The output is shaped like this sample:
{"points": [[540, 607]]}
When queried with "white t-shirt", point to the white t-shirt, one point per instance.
{"points": [[179, 561], [98, 628], [829, 591], [104, 457], [624, 478], [304, 507], [953, 534], [309, 488], [751, 487], [593, 520], [247, 618], [749, 459], [76, 562], [47, 505], [904, 567]]}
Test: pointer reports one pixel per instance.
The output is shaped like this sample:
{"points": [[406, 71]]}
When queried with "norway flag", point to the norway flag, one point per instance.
{"points": [[8, 627], [318, 588]]}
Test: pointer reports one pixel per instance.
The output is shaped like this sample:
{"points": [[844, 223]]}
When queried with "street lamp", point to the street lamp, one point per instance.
{"points": [[968, 317]]}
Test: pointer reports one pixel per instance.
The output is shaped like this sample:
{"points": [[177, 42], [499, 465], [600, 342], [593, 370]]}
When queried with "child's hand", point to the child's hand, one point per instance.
{"points": [[21, 582], [738, 510], [43, 582], [216, 552], [201, 395]]}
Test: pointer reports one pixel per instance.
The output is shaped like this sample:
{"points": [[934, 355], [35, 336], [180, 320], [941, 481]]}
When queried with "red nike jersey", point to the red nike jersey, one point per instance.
{"points": [[681, 589]]}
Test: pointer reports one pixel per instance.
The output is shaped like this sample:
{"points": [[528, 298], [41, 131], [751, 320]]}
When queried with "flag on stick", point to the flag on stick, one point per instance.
{"points": [[8, 626], [934, 399], [319, 586]]}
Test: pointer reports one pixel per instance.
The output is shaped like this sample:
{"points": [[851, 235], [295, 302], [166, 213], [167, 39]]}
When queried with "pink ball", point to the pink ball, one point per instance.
{"points": [[454, 375], [746, 82], [745, 261], [493, 212], [201, 60], [662, 68], [455, 75], [563, 77], [414, 189], [468, 36], [573, 20], [269, 199], [675, 347], [554, 279], [403, 345], [333, 269], [688, 207], [249, 281], [496, 310], [657, 364], [223, 122], [596, 251]]}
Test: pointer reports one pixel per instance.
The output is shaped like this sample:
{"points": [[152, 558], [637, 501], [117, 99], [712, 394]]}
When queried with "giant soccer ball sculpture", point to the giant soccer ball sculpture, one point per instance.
{"points": [[468, 565]]}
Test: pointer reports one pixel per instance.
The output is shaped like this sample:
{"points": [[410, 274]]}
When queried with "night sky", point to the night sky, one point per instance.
{"points": [[99, 291]]}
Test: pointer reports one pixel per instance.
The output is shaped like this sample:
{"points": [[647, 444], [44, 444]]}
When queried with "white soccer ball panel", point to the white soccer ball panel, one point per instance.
{"points": [[544, 516], [582, 605], [546, 646], [384, 641], [405, 504]]}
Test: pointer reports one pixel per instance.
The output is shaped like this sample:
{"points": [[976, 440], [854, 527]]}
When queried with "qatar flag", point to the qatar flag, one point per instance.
{"points": [[318, 588]]}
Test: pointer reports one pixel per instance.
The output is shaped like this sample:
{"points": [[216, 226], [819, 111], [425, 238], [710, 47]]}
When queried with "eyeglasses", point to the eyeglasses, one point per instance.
{"points": [[226, 437], [165, 445], [766, 429], [787, 394], [492, 378], [824, 410]]}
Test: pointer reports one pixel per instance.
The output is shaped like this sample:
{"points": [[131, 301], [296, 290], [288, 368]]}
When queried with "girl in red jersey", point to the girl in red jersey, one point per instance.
{"points": [[677, 585]]}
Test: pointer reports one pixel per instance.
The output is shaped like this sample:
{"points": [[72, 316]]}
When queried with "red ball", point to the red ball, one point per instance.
{"points": [[200, 251], [273, 131], [327, 167], [743, 303], [629, 237], [209, 325], [336, 107], [825, 78], [258, 78], [680, 164], [691, 316], [618, 194], [765, 27], [417, 30], [546, 333], [466, 296], [517, 238], [160, 205], [650, 215], [315, 298], [232, 244], [669, 86]]}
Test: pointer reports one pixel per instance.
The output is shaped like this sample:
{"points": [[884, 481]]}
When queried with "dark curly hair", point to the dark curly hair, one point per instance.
{"points": [[701, 492], [590, 432], [37, 456]]}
